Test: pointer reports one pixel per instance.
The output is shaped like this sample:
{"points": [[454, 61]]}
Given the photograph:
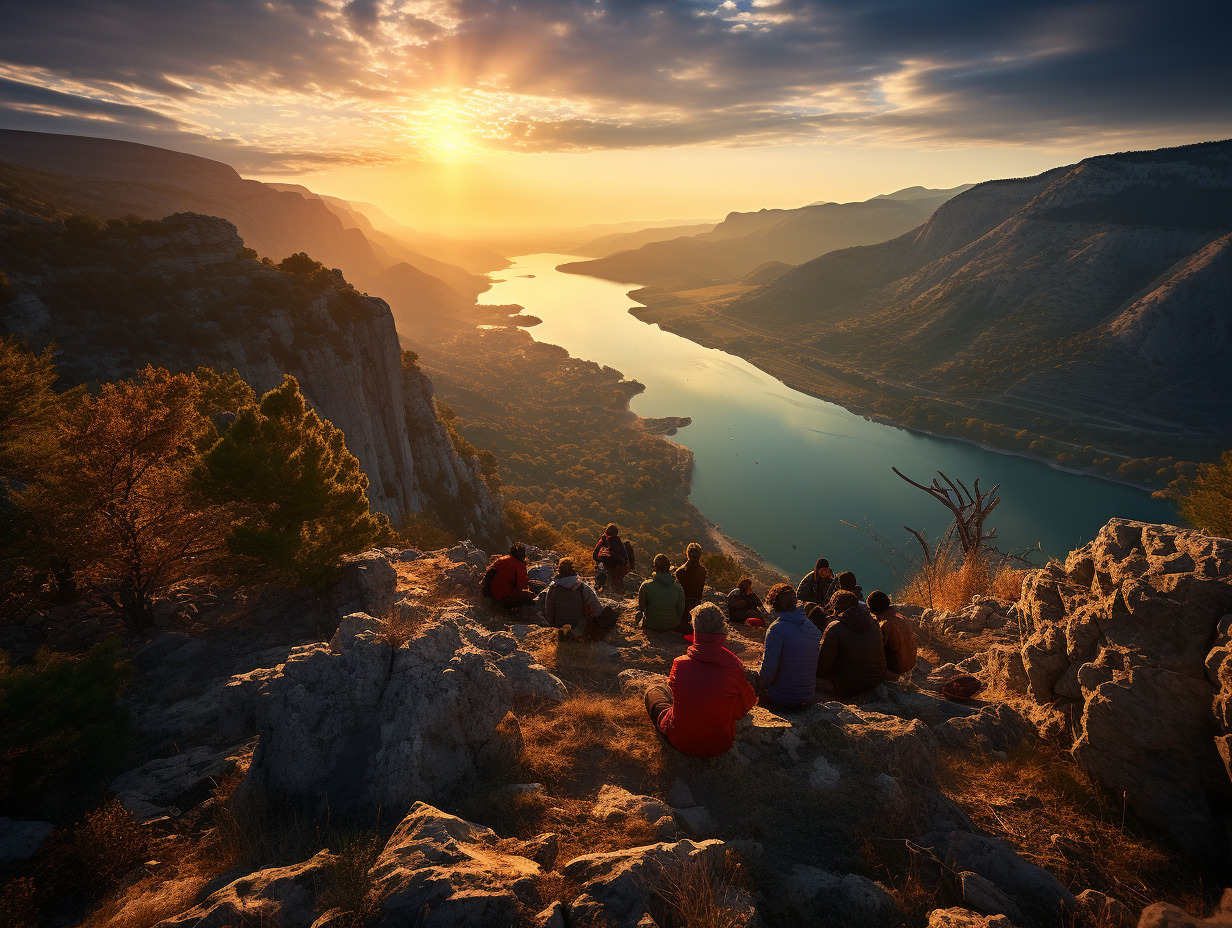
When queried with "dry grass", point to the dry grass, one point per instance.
{"points": [[591, 739], [949, 582], [1041, 803], [694, 896]]}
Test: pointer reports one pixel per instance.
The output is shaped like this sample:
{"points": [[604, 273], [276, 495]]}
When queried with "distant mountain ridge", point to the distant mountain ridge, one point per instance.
{"points": [[109, 179], [744, 241], [1093, 300]]}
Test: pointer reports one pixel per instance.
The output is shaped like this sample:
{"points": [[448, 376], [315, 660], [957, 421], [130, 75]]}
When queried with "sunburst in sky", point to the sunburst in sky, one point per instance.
{"points": [[476, 111]]}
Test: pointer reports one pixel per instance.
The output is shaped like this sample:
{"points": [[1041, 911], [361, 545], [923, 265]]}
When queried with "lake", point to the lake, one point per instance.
{"points": [[783, 472]]}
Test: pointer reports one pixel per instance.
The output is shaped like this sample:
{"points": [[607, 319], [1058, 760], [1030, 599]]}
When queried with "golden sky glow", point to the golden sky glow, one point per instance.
{"points": [[475, 112]]}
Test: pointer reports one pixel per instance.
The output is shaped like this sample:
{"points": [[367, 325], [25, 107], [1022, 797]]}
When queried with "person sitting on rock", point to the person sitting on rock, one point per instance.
{"points": [[706, 692], [510, 587], [897, 636], [660, 600], [847, 581], [789, 665], [611, 556], [744, 606], [852, 660], [817, 586], [692, 576], [569, 600]]}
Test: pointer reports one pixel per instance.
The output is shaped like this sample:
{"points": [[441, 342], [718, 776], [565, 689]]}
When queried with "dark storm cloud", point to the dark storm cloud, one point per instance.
{"points": [[628, 73]]}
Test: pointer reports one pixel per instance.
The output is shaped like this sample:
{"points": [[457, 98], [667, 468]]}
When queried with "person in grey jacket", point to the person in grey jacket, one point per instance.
{"points": [[789, 664], [568, 596], [818, 586]]}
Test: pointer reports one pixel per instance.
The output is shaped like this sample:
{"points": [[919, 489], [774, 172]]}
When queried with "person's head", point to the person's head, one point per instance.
{"points": [[565, 568], [847, 581], [661, 563], [782, 597], [611, 529], [841, 601], [519, 551], [823, 568], [745, 585], [708, 620], [878, 602], [694, 551]]}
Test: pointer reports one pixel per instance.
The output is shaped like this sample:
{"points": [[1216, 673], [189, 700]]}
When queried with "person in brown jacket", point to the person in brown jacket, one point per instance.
{"points": [[852, 658], [692, 576], [896, 634]]}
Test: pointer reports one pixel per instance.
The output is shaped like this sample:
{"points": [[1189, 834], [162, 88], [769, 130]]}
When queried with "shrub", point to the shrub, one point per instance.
{"points": [[1205, 500], [64, 728], [949, 581]]}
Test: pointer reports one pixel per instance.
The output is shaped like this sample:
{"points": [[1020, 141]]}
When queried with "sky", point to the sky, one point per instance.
{"points": [[451, 113]]}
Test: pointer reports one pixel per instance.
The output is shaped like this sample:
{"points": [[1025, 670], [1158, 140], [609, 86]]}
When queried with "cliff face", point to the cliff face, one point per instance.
{"points": [[174, 294]]}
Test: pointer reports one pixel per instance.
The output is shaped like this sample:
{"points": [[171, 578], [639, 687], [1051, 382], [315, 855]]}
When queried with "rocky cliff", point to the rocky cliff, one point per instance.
{"points": [[177, 294]]}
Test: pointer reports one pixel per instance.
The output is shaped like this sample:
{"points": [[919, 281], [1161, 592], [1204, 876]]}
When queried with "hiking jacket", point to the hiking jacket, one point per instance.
{"points": [[741, 606], [609, 551], [709, 694], [815, 590], [510, 576], [789, 664], [564, 602], [692, 576], [899, 645], [851, 652], [661, 600]]}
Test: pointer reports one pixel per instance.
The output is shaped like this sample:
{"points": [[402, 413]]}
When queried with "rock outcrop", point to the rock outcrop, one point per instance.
{"points": [[1126, 643], [231, 312]]}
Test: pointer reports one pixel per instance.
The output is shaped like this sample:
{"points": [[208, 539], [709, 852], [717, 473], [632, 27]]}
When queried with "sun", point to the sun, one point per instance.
{"points": [[446, 134]]}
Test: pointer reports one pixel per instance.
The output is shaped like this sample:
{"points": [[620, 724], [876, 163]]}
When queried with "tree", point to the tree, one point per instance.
{"points": [[298, 496], [1205, 499], [118, 502], [28, 406]]}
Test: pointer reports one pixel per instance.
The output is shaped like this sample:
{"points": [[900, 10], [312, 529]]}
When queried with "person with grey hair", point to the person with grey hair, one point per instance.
{"points": [[570, 602], [706, 692]]}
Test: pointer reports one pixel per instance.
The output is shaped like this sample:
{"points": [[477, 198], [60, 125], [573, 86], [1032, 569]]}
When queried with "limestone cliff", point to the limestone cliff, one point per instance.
{"points": [[175, 294]]}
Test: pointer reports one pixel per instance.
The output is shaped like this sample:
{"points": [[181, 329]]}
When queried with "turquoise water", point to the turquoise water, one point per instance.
{"points": [[782, 471]]}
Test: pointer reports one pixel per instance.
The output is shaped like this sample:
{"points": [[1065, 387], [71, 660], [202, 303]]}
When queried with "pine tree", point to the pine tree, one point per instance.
{"points": [[298, 495]]}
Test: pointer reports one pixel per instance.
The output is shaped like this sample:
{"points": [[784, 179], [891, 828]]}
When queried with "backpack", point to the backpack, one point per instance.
{"points": [[485, 585]]}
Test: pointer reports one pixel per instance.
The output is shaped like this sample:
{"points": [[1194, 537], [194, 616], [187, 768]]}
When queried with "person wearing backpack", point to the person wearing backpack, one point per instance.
{"points": [[610, 554], [509, 583], [573, 607]]}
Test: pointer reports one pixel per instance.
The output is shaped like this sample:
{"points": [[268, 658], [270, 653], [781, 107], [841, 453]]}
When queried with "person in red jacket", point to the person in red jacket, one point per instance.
{"points": [[510, 587], [708, 692]]}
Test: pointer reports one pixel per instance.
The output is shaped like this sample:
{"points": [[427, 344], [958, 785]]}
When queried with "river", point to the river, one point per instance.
{"points": [[782, 471]]}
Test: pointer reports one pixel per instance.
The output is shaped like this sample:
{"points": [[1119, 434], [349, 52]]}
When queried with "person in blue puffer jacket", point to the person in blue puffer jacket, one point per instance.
{"points": [[789, 664]]}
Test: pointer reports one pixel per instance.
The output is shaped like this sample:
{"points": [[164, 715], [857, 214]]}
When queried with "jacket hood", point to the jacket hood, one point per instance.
{"points": [[795, 616], [857, 618], [711, 650], [666, 577], [570, 582]]}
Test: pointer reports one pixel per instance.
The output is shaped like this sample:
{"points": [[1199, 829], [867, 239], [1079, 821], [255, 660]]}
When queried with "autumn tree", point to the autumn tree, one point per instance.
{"points": [[118, 501], [1205, 500], [298, 496]]}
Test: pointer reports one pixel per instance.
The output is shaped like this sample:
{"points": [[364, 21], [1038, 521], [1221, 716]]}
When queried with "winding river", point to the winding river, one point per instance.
{"points": [[784, 472]]}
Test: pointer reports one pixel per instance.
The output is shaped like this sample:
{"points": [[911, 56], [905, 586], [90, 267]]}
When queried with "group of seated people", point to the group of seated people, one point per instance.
{"points": [[821, 638]]}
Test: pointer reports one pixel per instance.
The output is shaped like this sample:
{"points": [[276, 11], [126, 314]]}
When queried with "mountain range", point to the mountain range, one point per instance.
{"points": [[1092, 301], [52, 175], [744, 241]]}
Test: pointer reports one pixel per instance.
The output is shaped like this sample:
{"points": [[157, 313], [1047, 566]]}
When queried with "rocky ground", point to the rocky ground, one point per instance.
{"points": [[436, 762]]}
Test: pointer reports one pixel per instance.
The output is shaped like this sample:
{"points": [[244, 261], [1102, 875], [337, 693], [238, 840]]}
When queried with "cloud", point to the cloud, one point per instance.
{"points": [[371, 78]]}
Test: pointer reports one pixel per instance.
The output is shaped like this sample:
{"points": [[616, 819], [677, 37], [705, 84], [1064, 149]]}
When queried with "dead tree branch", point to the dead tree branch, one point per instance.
{"points": [[969, 507]]}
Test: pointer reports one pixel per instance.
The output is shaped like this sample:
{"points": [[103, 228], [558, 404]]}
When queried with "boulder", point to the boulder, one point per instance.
{"points": [[284, 896], [439, 870], [1163, 915], [372, 727], [1100, 909], [616, 805], [996, 727], [617, 889], [1121, 638], [189, 776], [20, 840], [964, 918], [1030, 887], [831, 898], [902, 747], [367, 583], [528, 678], [695, 821]]}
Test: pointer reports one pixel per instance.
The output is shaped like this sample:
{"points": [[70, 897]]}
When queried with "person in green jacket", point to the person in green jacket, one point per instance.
{"points": [[660, 600]]}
